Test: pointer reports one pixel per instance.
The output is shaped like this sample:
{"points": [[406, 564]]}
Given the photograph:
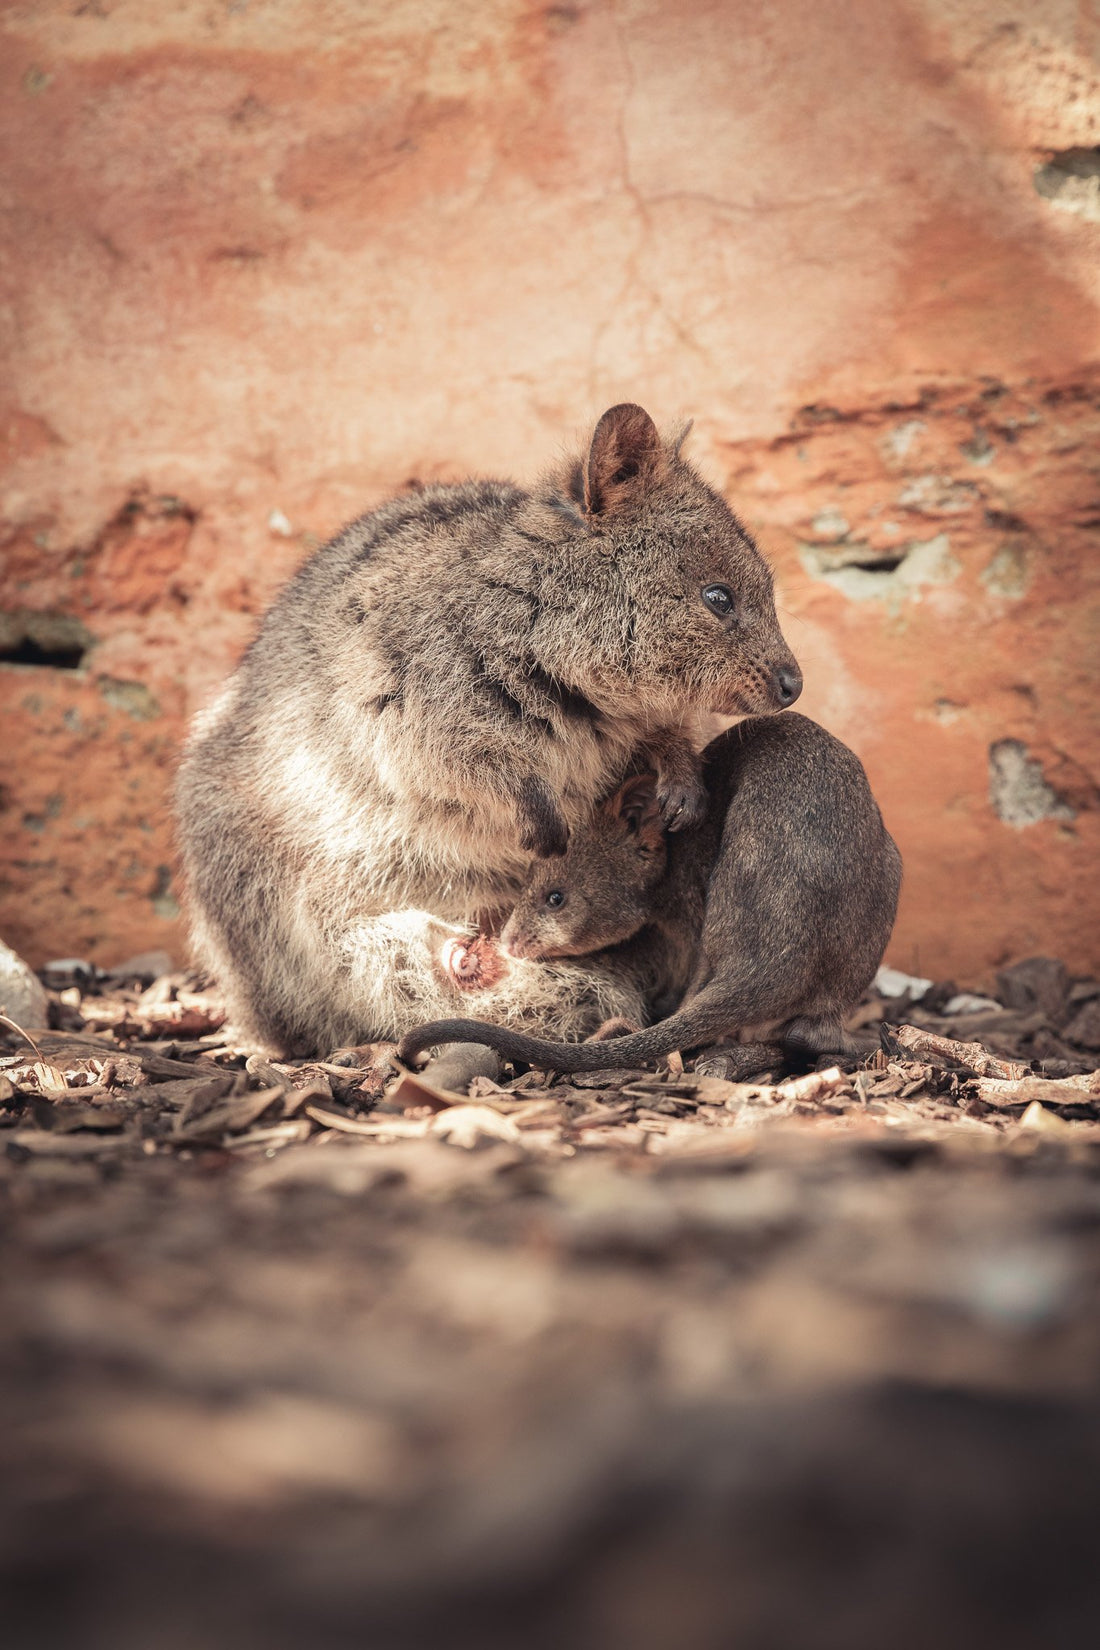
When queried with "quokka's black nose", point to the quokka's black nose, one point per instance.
{"points": [[788, 684]]}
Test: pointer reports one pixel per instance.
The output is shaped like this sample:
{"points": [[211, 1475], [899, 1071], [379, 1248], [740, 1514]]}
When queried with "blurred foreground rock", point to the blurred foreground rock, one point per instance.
{"points": [[22, 997]]}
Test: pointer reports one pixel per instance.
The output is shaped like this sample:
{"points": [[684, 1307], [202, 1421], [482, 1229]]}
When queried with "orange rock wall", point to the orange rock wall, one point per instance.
{"points": [[264, 263]]}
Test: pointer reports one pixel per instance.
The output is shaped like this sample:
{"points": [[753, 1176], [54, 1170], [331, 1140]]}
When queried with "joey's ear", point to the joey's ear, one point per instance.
{"points": [[635, 803], [626, 452]]}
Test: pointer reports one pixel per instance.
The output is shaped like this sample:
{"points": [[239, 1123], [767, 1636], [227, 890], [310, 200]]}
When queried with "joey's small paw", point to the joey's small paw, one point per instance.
{"points": [[472, 965], [549, 839], [682, 802], [617, 1026]]}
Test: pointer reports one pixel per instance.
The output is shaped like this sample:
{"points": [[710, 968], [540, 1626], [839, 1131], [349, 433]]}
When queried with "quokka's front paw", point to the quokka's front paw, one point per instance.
{"points": [[682, 800], [472, 964]]}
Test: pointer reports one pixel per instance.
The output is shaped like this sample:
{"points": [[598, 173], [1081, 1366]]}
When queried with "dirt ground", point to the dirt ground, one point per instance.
{"points": [[316, 1355]]}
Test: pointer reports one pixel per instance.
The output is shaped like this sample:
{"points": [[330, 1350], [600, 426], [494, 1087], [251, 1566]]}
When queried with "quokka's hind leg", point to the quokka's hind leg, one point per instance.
{"points": [[738, 1062], [811, 1035]]}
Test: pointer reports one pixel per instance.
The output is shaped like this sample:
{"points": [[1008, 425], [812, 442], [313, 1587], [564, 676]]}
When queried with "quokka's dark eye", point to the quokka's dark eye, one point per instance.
{"points": [[719, 598], [555, 898]]}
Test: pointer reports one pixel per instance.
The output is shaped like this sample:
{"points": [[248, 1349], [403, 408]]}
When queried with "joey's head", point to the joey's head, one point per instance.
{"points": [[601, 891], [665, 603]]}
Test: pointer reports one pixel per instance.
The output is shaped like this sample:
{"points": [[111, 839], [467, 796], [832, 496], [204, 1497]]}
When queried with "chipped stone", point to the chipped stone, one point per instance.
{"points": [[1009, 573], [898, 442], [1018, 792], [830, 524], [893, 576], [979, 449], [279, 523], [933, 495], [132, 697], [1071, 182], [54, 640]]}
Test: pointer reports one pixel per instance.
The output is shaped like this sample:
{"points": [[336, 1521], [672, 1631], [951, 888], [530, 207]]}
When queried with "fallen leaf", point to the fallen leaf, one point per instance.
{"points": [[396, 1127], [48, 1080], [414, 1091]]}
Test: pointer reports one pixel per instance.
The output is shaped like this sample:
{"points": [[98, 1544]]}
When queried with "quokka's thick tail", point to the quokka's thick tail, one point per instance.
{"points": [[704, 1018]]}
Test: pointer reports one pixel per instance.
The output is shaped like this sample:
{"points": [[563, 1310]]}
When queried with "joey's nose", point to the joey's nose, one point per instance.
{"points": [[788, 684]]}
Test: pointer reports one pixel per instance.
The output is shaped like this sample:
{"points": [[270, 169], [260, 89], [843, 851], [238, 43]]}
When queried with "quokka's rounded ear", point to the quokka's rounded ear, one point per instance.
{"points": [[626, 453], [635, 803]]}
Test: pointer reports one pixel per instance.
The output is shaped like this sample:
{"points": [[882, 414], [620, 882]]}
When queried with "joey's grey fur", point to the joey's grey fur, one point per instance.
{"points": [[801, 883], [437, 697]]}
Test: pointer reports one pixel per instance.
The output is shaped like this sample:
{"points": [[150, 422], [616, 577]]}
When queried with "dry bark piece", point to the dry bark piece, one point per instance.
{"points": [[330, 1118], [289, 1133], [191, 1094], [67, 1118], [814, 1085], [377, 1126], [158, 1065], [51, 1143], [469, 1126], [229, 1116], [1049, 1091], [926, 1044], [614, 1079], [598, 1118], [264, 1072], [39, 1077], [317, 1091]]}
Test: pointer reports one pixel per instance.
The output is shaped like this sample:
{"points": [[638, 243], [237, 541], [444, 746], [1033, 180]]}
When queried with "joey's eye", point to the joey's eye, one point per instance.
{"points": [[719, 598], [555, 898]]}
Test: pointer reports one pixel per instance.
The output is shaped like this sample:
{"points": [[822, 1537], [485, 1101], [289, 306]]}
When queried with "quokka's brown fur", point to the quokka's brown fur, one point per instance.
{"points": [[785, 894], [436, 698]]}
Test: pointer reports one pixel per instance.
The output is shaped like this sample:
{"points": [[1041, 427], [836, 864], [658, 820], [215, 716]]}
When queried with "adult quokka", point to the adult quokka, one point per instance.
{"points": [[790, 881], [437, 697]]}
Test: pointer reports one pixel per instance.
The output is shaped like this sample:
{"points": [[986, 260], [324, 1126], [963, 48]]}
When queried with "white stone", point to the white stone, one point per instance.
{"points": [[22, 997], [891, 982]]}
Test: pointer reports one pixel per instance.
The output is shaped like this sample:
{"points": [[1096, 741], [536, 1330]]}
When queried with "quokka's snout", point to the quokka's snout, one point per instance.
{"points": [[787, 682], [761, 689]]}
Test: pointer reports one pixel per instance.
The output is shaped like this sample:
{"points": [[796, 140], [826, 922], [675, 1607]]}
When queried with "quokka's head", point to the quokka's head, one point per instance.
{"points": [[664, 597], [600, 891]]}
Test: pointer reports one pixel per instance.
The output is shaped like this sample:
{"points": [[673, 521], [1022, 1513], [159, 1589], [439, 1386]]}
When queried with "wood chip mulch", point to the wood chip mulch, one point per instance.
{"points": [[320, 1353]]}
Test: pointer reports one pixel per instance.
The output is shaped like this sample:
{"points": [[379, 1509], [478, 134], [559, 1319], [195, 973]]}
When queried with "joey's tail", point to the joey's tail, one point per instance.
{"points": [[706, 1016]]}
